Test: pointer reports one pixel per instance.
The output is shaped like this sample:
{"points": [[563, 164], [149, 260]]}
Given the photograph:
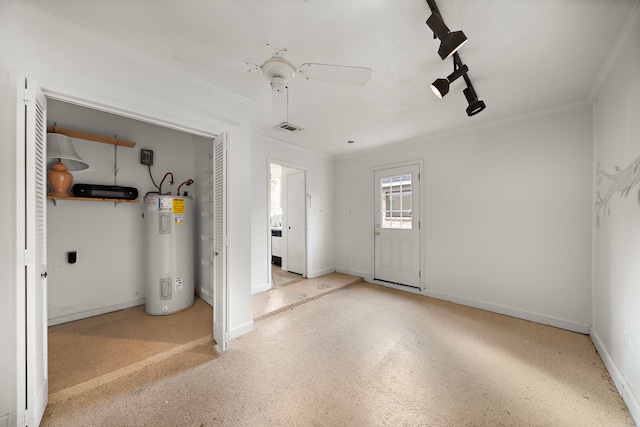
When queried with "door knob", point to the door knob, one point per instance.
{"points": [[377, 233]]}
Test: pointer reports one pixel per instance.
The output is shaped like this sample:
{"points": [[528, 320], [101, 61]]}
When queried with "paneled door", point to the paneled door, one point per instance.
{"points": [[397, 225], [296, 228]]}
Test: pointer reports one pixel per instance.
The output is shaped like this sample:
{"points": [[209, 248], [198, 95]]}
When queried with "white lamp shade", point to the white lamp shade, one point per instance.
{"points": [[60, 148]]}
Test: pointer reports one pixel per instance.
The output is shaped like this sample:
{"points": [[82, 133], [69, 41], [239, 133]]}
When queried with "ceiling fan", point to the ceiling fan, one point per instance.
{"points": [[277, 70]]}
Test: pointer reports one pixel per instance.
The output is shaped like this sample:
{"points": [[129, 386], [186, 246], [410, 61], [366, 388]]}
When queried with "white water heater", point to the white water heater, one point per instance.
{"points": [[169, 272]]}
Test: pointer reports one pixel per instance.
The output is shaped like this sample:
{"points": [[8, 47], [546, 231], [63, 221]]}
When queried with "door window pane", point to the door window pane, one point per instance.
{"points": [[396, 202]]}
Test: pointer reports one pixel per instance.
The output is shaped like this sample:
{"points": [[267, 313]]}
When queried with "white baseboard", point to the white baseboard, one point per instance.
{"points": [[366, 276], [618, 379], [241, 330], [570, 325], [582, 328], [314, 274], [260, 288], [95, 312]]}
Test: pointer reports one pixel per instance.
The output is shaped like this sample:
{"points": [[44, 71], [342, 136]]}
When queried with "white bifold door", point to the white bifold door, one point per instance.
{"points": [[212, 226], [31, 241], [220, 238], [397, 225]]}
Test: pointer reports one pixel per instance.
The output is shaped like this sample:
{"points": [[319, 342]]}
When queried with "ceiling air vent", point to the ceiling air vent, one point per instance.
{"points": [[289, 127]]}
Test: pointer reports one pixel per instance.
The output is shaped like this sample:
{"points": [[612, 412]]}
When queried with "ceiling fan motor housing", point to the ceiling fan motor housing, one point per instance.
{"points": [[279, 72], [278, 84]]}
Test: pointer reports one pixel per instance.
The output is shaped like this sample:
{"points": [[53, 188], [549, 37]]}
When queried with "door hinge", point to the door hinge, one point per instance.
{"points": [[26, 96], [26, 257], [226, 240], [419, 274]]}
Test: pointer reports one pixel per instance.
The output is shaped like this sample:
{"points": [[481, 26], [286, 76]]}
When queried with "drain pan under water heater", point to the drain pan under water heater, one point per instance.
{"points": [[169, 271]]}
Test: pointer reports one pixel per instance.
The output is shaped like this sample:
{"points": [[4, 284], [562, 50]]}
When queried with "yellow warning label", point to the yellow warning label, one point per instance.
{"points": [[178, 206]]}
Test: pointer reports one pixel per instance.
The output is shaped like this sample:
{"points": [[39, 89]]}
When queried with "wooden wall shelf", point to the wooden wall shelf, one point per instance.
{"points": [[91, 199], [91, 137]]}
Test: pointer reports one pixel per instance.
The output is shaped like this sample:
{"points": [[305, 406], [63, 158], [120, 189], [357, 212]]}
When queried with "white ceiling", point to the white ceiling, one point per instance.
{"points": [[524, 56]]}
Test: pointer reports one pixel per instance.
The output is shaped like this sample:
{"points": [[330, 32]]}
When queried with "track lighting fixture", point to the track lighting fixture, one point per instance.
{"points": [[475, 105], [440, 87], [450, 41]]}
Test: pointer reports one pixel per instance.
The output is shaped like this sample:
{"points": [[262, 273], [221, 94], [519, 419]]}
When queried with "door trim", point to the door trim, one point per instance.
{"points": [[372, 221]]}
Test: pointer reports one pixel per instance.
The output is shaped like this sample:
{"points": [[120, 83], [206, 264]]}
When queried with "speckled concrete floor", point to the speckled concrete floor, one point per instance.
{"points": [[90, 348], [368, 356], [91, 352], [282, 298]]}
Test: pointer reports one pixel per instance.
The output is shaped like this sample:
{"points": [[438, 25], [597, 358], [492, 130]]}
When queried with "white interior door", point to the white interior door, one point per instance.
{"points": [[296, 228], [31, 286], [397, 225], [220, 238]]}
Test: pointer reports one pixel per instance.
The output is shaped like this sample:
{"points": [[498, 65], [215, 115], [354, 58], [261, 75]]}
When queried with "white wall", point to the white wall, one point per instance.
{"points": [[616, 293], [506, 216], [320, 219], [109, 240], [75, 65]]}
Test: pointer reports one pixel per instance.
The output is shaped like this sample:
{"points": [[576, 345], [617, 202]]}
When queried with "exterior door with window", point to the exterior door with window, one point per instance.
{"points": [[397, 225]]}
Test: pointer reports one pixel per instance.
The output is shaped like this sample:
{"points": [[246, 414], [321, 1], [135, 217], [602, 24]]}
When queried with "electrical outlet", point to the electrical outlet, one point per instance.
{"points": [[146, 157]]}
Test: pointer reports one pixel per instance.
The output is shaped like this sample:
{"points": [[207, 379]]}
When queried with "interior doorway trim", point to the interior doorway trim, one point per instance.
{"points": [[304, 170], [84, 99]]}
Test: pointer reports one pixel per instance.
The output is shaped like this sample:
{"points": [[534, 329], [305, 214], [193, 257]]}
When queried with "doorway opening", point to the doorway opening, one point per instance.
{"points": [[287, 224], [104, 288]]}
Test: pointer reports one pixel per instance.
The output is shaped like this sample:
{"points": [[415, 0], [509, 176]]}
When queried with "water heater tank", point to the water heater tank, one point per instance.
{"points": [[169, 278]]}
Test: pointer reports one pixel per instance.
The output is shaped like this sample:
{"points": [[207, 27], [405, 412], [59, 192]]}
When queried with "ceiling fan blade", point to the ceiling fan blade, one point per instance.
{"points": [[276, 24], [357, 76]]}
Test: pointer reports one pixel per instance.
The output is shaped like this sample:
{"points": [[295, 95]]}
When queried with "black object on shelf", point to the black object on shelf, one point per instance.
{"points": [[105, 191]]}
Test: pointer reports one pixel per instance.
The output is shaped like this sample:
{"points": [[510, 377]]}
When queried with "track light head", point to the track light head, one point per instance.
{"points": [[475, 105], [450, 42], [440, 87]]}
